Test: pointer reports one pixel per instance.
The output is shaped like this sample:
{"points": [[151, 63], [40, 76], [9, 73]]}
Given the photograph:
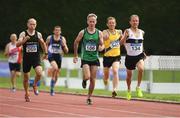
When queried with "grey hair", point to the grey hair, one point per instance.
{"points": [[91, 15], [30, 19], [134, 15]]}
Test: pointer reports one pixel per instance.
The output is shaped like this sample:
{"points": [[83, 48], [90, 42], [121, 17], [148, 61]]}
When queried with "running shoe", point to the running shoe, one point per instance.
{"points": [[52, 93], [84, 84], [13, 89], [128, 95], [35, 89], [27, 98], [114, 94], [139, 92], [89, 101]]}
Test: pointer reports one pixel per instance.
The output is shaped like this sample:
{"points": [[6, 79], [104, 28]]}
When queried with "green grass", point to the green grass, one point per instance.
{"points": [[5, 83]]}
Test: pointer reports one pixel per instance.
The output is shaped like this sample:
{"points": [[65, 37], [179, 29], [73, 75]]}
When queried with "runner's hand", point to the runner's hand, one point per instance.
{"points": [[63, 43], [26, 38], [75, 59]]}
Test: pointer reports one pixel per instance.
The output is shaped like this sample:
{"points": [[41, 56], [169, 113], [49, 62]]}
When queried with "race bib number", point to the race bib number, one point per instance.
{"points": [[55, 50], [90, 47], [136, 47], [31, 48], [114, 44]]}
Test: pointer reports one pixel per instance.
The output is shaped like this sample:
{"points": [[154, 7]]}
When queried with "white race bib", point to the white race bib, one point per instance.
{"points": [[31, 48], [114, 44], [135, 46], [90, 47], [55, 50]]}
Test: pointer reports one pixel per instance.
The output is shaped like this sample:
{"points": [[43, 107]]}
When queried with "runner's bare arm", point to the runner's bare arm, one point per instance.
{"points": [[22, 39], [64, 45], [124, 37], [6, 52], [145, 55], [121, 35], [101, 45], [42, 43], [76, 45], [48, 41], [76, 42], [105, 34]]}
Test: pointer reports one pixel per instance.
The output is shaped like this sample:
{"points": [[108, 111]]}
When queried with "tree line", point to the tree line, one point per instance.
{"points": [[158, 18]]}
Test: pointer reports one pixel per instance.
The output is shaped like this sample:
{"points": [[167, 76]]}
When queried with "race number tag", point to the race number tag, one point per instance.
{"points": [[135, 46], [90, 47], [55, 50], [31, 48], [114, 44]]}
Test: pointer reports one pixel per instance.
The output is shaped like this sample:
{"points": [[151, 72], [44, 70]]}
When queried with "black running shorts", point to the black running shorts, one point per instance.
{"points": [[108, 61], [15, 66], [90, 63], [56, 59], [131, 61], [28, 63]]}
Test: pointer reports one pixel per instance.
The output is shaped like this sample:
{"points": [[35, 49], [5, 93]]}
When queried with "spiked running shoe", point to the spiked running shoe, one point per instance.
{"points": [[84, 84], [114, 94], [139, 92], [89, 102], [35, 89], [27, 98], [128, 95]]}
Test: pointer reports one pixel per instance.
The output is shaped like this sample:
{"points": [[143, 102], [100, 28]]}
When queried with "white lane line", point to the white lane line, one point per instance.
{"points": [[44, 110], [98, 108]]}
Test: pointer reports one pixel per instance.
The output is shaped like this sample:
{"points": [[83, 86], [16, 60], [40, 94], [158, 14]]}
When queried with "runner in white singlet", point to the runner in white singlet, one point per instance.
{"points": [[14, 58], [133, 41]]}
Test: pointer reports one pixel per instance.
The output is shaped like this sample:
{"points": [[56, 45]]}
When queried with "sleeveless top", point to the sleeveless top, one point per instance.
{"points": [[31, 47], [112, 44], [55, 47], [89, 47], [14, 54], [134, 43]]}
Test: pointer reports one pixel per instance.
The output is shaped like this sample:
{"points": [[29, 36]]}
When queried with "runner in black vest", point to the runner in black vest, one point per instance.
{"points": [[30, 40]]}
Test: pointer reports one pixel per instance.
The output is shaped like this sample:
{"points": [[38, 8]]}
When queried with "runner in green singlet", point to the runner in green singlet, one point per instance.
{"points": [[91, 39]]}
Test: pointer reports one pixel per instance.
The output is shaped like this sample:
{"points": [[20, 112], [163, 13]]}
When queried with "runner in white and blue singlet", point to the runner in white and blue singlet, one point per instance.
{"points": [[133, 41], [56, 44]]}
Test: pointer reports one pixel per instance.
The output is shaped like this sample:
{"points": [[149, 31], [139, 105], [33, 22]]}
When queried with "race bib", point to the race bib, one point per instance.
{"points": [[90, 47], [31, 48], [114, 44], [136, 46], [55, 50]]}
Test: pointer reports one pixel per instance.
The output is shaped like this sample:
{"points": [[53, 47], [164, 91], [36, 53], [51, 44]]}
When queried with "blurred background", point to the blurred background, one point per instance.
{"points": [[160, 19]]}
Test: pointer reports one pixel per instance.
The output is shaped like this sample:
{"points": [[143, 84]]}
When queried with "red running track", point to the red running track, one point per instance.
{"points": [[60, 105]]}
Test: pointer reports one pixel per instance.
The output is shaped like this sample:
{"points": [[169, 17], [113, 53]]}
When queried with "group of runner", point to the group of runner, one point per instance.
{"points": [[93, 40]]}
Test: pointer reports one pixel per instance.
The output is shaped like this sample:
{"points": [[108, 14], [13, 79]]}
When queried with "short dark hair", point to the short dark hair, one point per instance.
{"points": [[57, 26]]}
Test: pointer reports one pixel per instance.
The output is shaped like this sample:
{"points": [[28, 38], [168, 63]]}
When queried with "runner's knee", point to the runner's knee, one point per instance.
{"points": [[140, 70]]}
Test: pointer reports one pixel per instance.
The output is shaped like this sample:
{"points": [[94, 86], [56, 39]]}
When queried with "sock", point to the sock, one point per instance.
{"points": [[52, 83]]}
